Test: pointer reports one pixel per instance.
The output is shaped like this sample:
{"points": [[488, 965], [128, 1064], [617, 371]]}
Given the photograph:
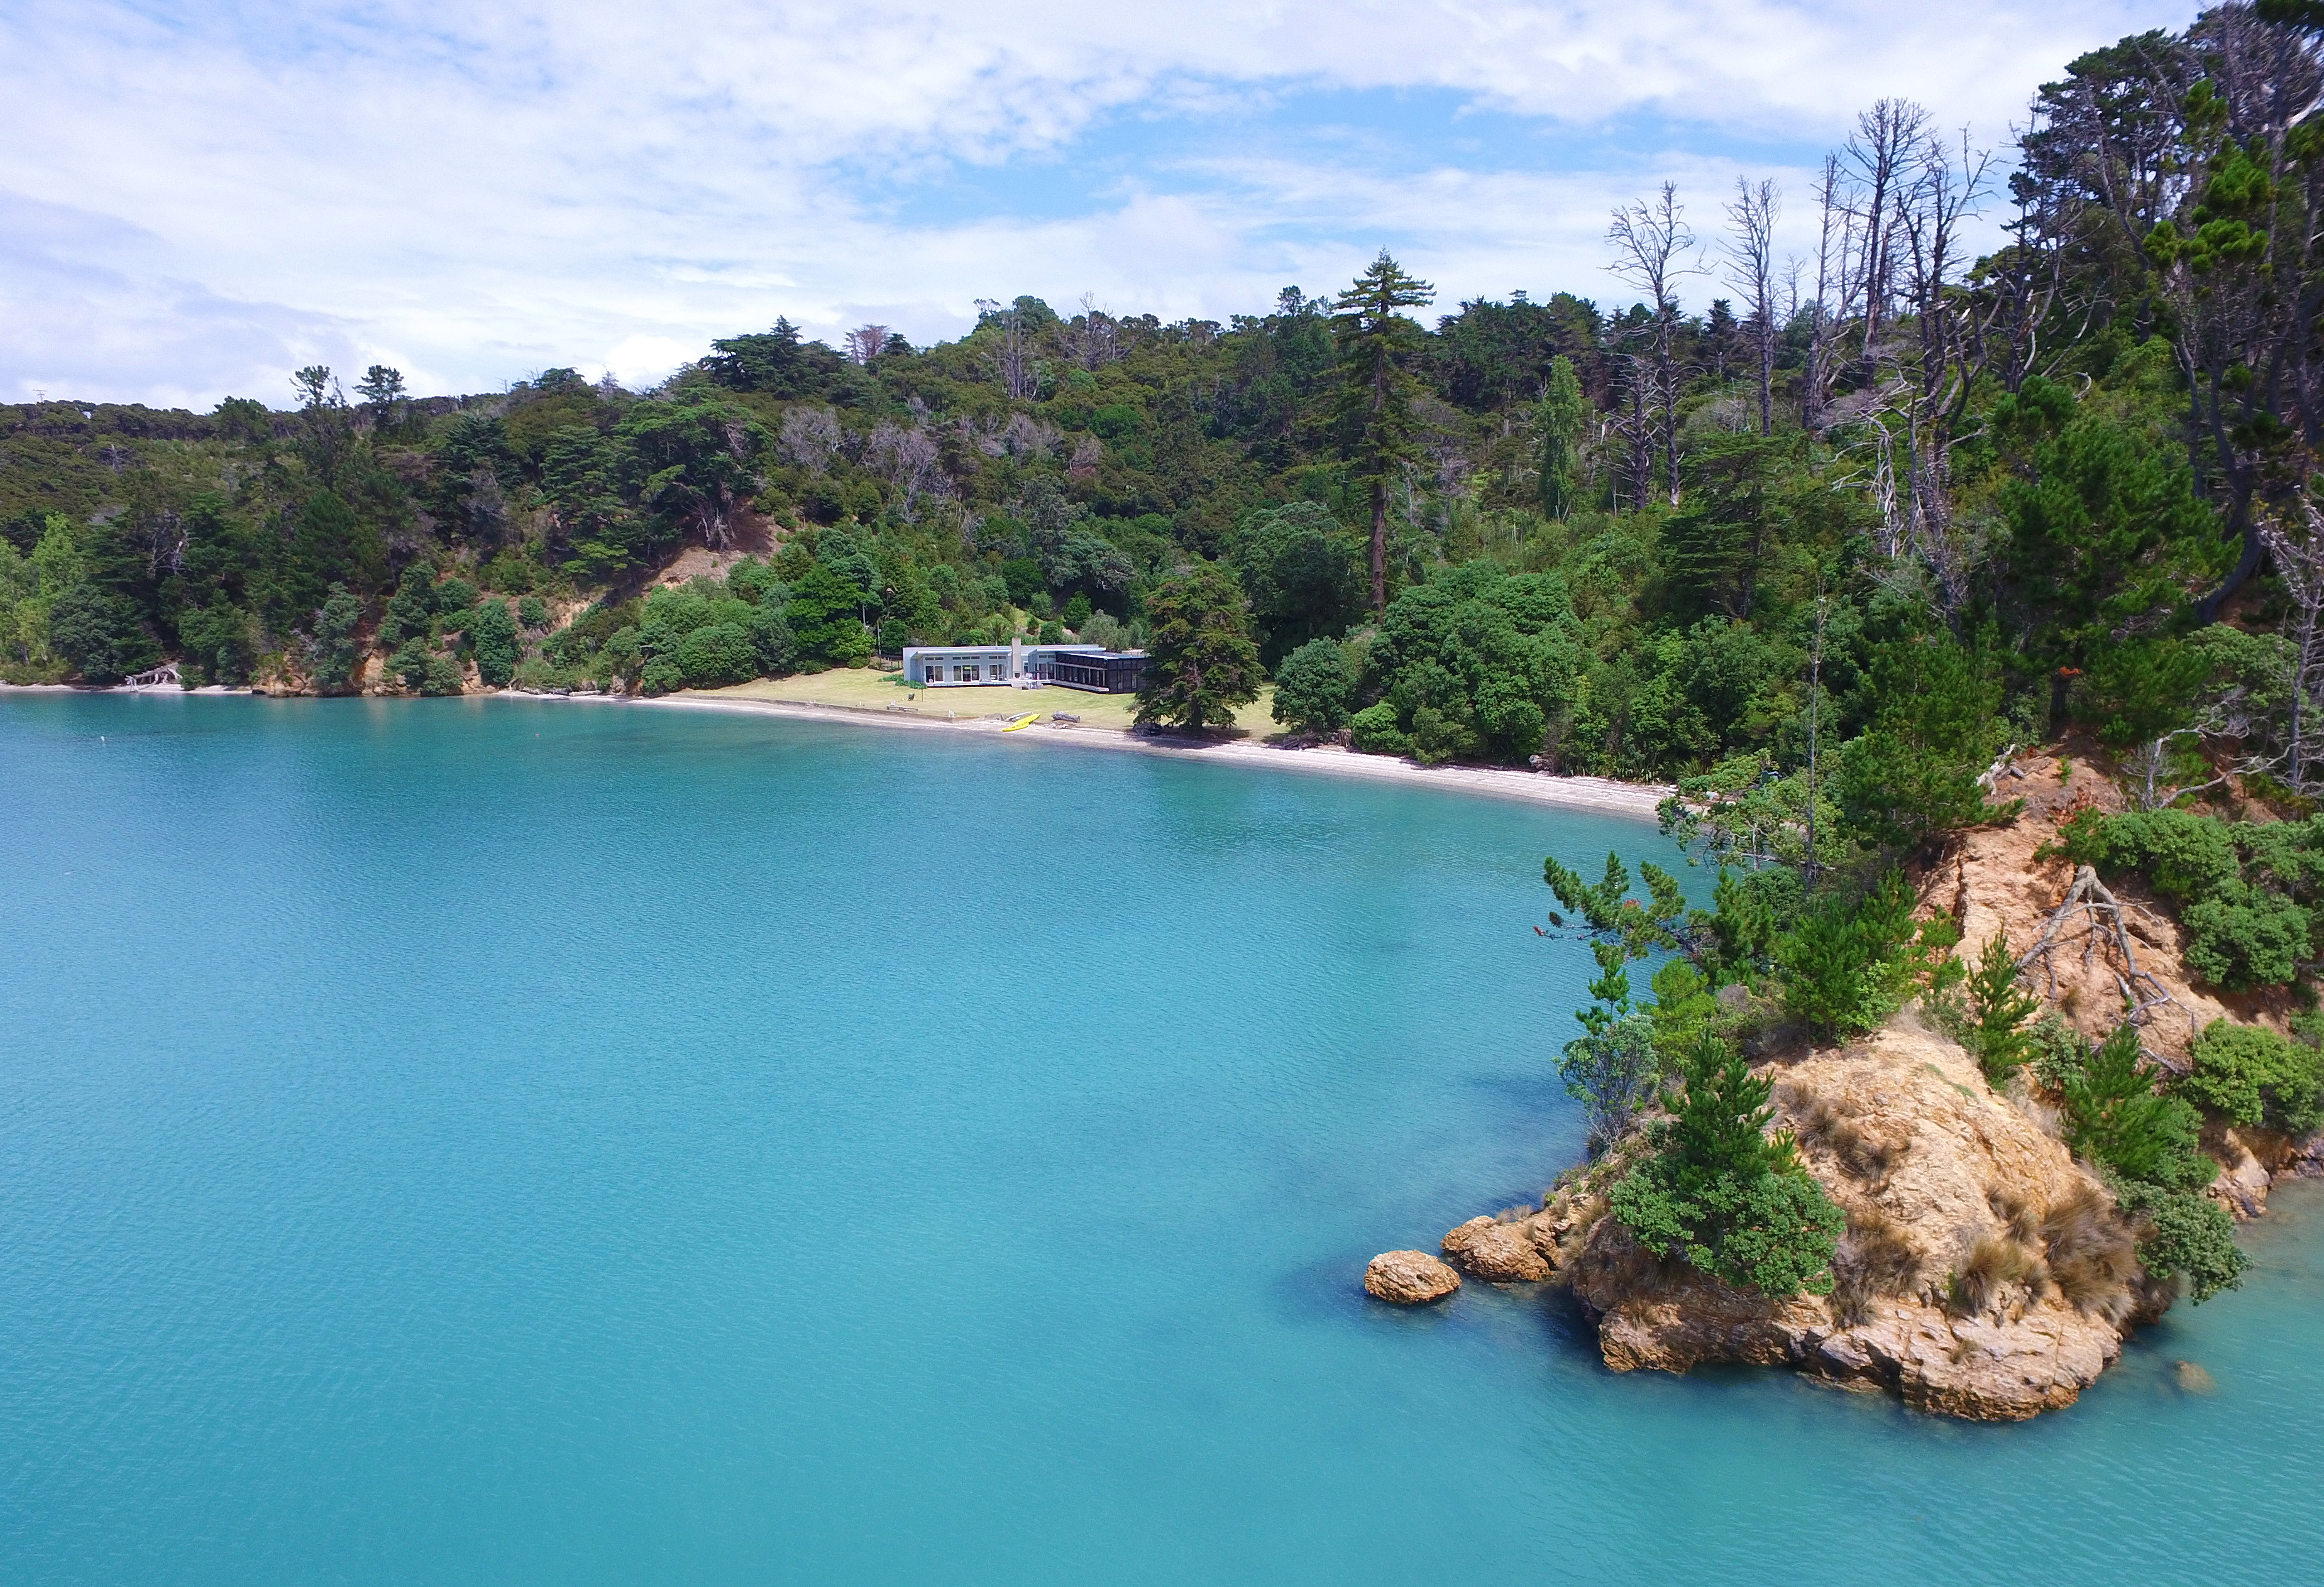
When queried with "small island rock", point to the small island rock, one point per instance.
{"points": [[1409, 1278], [1499, 1252]]}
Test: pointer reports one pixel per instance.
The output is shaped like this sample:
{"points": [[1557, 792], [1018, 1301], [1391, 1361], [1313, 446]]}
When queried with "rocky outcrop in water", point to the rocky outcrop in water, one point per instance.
{"points": [[1502, 1253], [1409, 1278], [1984, 1274]]}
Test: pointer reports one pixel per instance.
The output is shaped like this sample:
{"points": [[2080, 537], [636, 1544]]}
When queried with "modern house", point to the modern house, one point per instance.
{"points": [[1017, 665]]}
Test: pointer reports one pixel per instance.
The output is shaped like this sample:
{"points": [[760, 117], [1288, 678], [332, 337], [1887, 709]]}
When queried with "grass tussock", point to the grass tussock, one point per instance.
{"points": [[1875, 1260], [1861, 1154], [2093, 1257], [1993, 1263], [2018, 1215]]}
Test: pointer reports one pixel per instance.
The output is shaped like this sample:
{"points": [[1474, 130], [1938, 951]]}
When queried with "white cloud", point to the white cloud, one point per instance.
{"points": [[475, 194]]}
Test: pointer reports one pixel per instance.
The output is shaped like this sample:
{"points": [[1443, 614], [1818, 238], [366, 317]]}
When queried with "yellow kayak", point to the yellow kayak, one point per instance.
{"points": [[1027, 720]]}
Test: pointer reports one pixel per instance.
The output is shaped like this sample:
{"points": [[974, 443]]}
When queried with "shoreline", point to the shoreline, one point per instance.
{"points": [[1637, 801], [1604, 796]]}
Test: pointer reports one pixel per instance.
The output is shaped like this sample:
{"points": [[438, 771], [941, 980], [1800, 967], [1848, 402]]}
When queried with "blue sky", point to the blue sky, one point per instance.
{"points": [[196, 200]]}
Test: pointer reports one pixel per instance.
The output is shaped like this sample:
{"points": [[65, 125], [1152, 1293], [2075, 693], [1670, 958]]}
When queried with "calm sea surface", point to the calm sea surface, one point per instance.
{"points": [[470, 1142]]}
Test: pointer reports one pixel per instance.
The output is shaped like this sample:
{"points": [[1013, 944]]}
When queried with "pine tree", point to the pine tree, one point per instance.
{"points": [[1559, 422], [1374, 412]]}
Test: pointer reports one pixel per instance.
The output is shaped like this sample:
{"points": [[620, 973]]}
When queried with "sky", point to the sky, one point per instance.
{"points": [[196, 198]]}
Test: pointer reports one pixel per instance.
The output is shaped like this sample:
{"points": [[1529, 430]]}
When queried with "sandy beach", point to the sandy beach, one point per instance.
{"points": [[1637, 800]]}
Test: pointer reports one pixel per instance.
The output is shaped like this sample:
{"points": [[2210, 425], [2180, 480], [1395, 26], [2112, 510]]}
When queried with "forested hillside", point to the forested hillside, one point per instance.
{"points": [[1896, 494]]}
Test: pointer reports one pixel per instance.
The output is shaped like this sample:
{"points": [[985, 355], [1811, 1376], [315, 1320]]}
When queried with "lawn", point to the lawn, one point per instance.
{"points": [[866, 689]]}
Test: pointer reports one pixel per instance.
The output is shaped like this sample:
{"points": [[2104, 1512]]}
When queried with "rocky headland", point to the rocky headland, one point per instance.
{"points": [[1985, 1273]]}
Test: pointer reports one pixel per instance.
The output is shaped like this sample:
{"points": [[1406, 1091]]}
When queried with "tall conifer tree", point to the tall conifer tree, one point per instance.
{"points": [[1374, 411]]}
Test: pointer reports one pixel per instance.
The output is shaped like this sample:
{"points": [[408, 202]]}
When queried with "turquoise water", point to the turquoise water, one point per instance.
{"points": [[473, 1141]]}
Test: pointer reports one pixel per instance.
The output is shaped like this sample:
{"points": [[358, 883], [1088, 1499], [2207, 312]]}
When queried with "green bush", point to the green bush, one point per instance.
{"points": [[1311, 688], [333, 651], [1613, 1073], [1718, 1194], [1849, 965], [2247, 893], [1911, 776], [532, 613], [100, 635], [1373, 730], [1998, 1010], [493, 633], [2185, 1236], [2115, 1117], [716, 656], [1474, 664], [410, 608], [2248, 1075], [2242, 936]]}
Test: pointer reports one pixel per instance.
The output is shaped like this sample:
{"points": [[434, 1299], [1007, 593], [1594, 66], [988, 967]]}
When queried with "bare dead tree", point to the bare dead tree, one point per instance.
{"points": [[809, 437], [2299, 558], [866, 342], [1751, 271], [1942, 192], [1011, 355], [1834, 234], [1653, 251], [909, 456], [1882, 154], [1094, 335]]}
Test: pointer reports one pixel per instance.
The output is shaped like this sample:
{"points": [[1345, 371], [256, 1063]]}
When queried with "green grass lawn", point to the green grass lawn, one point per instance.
{"points": [[863, 688]]}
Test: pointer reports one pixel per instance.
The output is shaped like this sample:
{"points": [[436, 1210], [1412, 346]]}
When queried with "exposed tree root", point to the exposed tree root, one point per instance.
{"points": [[2104, 925]]}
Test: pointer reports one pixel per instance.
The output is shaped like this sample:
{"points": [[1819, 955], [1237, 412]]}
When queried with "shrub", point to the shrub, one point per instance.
{"points": [[2114, 1118], [2248, 1075], [2185, 1237], [1720, 1195], [409, 663], [1373, 730], [334, 650], [532, 613], [493, 631], [1848, 964], [1312, 687], [2243, 936], [1998, 1008], [771, 639], [100, 634], [410, 608], [716, 655], [2246, 893], [1912, 775], [1613, 1073]]}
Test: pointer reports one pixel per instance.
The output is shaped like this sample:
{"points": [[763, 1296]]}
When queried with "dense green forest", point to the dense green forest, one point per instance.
{"points": [[2027, 482], [1817, 554]]}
